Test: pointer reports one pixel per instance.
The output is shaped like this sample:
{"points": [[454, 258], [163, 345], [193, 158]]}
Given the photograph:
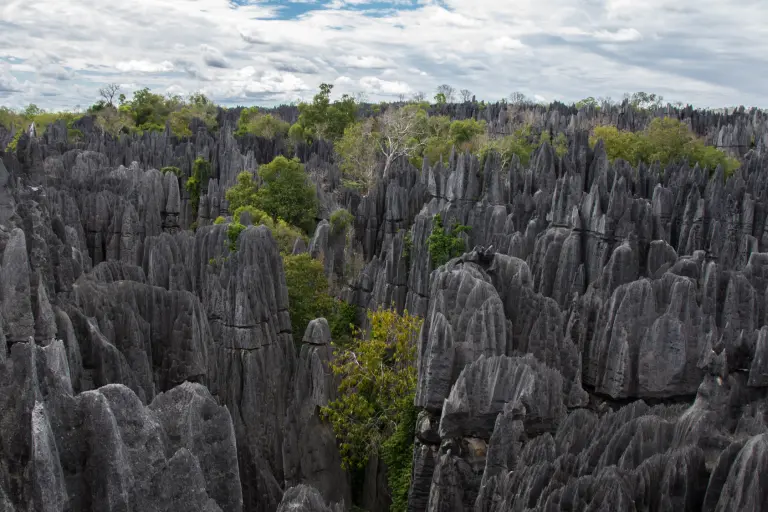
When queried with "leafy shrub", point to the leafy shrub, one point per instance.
{"points": [[462, 132], [342, 319], [14, 142], [665, 140], [262, 125], [296, 133], [284, 234], [445, 244], [358, 154], [340, 220], [243, 193], [115, 121], [374, 412], [397, 453], [560, 144], [173, 170], [286, 192], [307, 291], [197, 107], [219, 220], [308, 299], [323, 119], [233, 233], [519, 143], [197, 184]]}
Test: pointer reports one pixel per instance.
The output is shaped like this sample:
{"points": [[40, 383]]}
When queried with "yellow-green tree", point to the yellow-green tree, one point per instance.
{"points": [[374, 412], [665, 140]]}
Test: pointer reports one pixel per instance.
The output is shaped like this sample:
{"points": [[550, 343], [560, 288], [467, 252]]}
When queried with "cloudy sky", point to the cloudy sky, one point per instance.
{"points": [[57, 53]]}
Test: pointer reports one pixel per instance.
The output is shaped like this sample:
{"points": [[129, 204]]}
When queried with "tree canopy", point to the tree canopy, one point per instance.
{"points": [[285, 192], [323, 119], [374, 412], [665, 140]]}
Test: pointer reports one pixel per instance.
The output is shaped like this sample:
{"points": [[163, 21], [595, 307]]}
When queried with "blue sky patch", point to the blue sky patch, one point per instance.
{"points": [[289, 10]]}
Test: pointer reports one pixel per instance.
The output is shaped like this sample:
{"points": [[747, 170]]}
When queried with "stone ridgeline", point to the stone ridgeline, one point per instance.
{"points": [[644, 288], [589, 286], [146, 367]]}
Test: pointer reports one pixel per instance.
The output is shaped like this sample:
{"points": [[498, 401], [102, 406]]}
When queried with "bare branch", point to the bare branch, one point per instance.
{"points": [[108, 92]]}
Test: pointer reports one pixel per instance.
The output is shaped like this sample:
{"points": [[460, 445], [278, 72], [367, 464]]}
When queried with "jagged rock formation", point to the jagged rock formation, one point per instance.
{"points": [[603, 345]]}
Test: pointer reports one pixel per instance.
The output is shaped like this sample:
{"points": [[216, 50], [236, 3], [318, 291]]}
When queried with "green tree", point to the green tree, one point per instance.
{"points": [[463, 132], [440, 98], [284, 234], [519, 143], [243, 193], [358, 154], [665, 140], [32, 110], [340, 220], [324, 119], [374, 412], [286, 192], [587, 102], [263, 125], [307, 291], [445, 244], [560, 144], [233, 233], [197, 184], [149, 110], [198, 106]]}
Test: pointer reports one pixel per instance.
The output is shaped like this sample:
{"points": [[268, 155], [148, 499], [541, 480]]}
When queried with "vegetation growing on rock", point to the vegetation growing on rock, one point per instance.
{"points": [[665, 140], [444, 244], [285, 192], [374, 412]]}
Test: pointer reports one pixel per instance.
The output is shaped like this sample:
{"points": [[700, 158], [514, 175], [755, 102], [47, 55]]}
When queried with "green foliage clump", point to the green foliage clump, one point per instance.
{"points": [[445, 244], [340, 220], [560, 144], [219, 220], [397, 453], [358, 154], [342, 319], [284, 234], [286, 192], [519, 143], [588, 102], [262, 125], [323, 119], [197, 184], [243, 193], [296, 133], [171, 169], [374, 412], [14, 142], [665, 140], [308, 299], [115, 120], [20, 121], [463, 132], [307, 291], [198, 106], [149, 110], [233, 233]]}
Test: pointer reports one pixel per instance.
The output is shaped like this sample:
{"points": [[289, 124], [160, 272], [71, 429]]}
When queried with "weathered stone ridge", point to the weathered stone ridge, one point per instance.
{"points": [[601, 345]]}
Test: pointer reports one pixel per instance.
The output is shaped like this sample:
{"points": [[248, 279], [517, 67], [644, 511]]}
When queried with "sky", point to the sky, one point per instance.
{"points": [[58, 53]]}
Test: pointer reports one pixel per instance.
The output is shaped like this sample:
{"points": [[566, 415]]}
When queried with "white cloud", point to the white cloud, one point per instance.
{"points": [[565, 49], [364, 62], [213, 57], [144, 66], [385, 87]]}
